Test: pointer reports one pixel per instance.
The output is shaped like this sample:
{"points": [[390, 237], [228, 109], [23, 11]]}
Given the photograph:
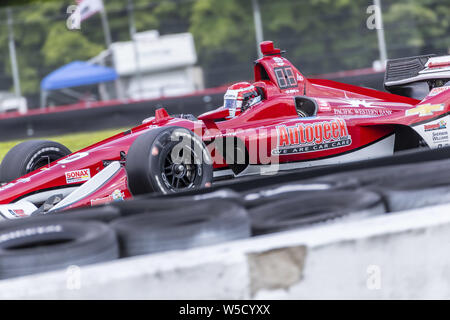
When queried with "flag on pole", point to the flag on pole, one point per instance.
{"points": [[84, 10]]}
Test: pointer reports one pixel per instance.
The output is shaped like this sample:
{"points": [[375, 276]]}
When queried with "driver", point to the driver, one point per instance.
{"points": [[241, 96]]}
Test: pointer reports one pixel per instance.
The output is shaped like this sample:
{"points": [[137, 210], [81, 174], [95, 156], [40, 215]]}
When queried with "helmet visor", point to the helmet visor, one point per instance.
{"points": [[230, 103]]}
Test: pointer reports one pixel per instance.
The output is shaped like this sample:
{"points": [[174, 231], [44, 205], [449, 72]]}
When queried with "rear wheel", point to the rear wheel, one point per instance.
{"points": [[29, 156], [167, 160]]}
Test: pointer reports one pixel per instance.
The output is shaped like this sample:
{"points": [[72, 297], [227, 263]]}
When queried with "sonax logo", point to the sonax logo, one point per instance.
{"points": [[78, 176]]}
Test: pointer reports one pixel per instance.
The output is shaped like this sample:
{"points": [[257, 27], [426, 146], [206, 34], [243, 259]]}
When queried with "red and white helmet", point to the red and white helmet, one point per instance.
{"points": [[239, 97]]}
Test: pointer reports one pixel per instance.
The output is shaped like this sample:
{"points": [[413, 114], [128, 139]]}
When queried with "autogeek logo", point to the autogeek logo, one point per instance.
{"points": [[312, 137]]}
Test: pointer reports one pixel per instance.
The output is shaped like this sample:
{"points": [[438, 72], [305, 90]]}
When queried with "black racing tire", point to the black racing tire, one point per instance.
{"points": [[313, 207], [163, 203], [37, 247], [204, 223], [151, 168], [29, 156]]}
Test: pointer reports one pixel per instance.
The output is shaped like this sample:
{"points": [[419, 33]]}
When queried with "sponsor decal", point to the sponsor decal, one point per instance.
{"points": [[231, 94], [323, 105], [292, 91], [17, 210], [423, 110], [312, 137], [117, 195], [443, 145], [362, 112], [78, 176], [436, 91], [12, 184], [73, 157], [436, 126], [17, 213], [436, 133], [440, 137], [278, 61], [300, 77], [358, 103]]}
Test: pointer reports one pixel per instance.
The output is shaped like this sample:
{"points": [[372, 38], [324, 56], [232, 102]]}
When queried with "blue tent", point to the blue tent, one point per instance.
{"points": [[77, 73]]}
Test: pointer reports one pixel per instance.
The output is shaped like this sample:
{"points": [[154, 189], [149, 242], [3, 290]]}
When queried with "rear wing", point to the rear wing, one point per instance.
{"points": [[416, 69]]}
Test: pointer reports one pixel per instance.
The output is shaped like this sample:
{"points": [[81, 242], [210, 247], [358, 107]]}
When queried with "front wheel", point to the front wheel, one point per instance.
{"points": [[168, 160], [29, 156]]}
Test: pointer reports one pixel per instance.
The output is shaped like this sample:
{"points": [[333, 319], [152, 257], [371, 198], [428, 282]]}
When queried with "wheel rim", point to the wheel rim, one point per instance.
{"points": [[43, 160], [179, 175]]}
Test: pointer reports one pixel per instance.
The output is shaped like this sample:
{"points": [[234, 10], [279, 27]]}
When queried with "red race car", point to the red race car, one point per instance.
{"points": [[280, 121]]}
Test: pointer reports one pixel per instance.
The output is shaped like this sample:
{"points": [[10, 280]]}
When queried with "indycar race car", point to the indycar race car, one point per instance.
{"points": [[280, 121]]}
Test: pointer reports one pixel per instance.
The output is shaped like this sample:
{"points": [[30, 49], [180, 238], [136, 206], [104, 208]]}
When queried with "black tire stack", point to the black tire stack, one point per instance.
{"points": [[200, 224], [80, 237], [35, 247], [154, 223]]}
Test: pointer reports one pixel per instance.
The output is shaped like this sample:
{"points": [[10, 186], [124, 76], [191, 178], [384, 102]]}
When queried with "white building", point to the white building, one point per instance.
{"points": [[152, 66]]}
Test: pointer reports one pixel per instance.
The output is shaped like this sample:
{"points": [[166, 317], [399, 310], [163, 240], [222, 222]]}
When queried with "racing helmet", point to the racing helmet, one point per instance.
{"points": [[241, 96]]}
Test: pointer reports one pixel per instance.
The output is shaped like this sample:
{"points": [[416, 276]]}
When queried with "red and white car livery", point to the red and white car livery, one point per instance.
{"points": [[294, 122]]}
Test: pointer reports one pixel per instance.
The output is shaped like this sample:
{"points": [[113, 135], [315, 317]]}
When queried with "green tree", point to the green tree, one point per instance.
{"points": [[319, 35], [43, 42], [63, 46]]}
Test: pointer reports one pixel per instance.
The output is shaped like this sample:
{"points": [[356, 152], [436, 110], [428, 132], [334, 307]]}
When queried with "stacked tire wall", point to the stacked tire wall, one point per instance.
{"points": [[234, 211]]}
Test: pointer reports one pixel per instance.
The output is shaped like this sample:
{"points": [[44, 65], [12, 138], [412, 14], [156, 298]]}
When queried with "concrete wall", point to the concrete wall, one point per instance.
{"points": [[403, 255]]}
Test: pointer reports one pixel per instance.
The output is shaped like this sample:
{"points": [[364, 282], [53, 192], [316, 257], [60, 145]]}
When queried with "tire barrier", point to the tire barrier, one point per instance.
{"points": [[201, 224], [413, 197], [347, 169], [308, 208], [406, 186], [148, 204], [36, 247], [418, 187], [263, 195], [101, 213], [154, 223], [435, 170]]}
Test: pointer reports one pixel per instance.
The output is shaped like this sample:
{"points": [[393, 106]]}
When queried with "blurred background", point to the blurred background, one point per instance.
{"points": [[89, 53], [210, 42]]}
